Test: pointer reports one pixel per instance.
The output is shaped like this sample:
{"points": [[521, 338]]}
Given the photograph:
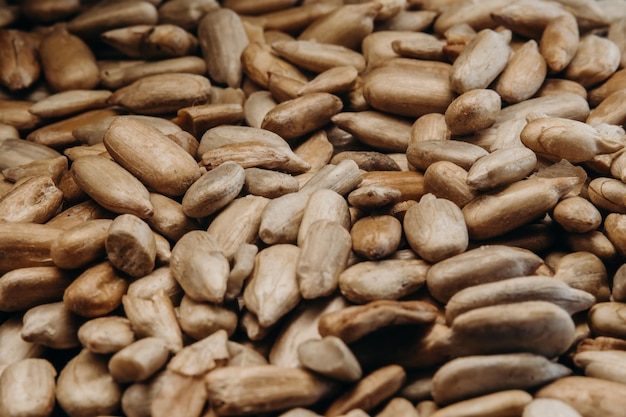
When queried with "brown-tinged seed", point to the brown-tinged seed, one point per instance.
{"points": [[265, 388], [214, 190], [491, 215], [371, 391], [96, 292], [448, 180], [559, 42], [389, 279], [67, 61], [33, 200], [26, 244], [407, 92], [299, 116], [353, 323], [24, 288], [18, 70]]}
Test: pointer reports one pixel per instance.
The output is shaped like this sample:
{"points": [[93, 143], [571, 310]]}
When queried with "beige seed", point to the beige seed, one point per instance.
{"points": [[435, 228], [456, 380], [154, 317], [324, 256], [51, 325], [200, 319], [537, 327], [139, 360], [508, 402], [378, 130], [330, 357], [610, 110], [421, 154], [131, 246], [480, 265], [478, 17], [59, 134], [105, 335], [473, 111], [12, 346], [55, 168], [27, 388], [199, 267], [259, 62], [482, 60], [346, 26], [547, 406], [269, 184], [112, 186], [300, 327], [523, 75], [588, 67], [222, 52], [501, 167], [169, 218], [69, 102], [318, 56], [530, 288], [273, 289], [584, 271], [559, 138], [85, 388], [576, 390], [608, 194], [117, 77], [577, 214], [323, 204]]}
